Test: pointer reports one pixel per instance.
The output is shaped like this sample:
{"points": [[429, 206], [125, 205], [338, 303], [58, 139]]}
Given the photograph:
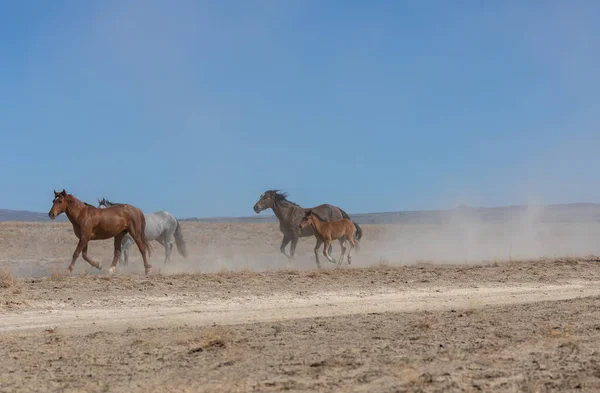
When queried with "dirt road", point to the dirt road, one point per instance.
{"points": [[143, 312], [521, 326]]}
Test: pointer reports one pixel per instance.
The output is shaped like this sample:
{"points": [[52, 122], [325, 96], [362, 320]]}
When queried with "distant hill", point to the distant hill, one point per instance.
{"points": [[573, 212], [23, 215]]}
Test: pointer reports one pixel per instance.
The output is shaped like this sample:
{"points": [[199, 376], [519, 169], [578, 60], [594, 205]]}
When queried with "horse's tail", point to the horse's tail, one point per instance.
{"points": [[357, 233], [143, 238], [179, 241]]}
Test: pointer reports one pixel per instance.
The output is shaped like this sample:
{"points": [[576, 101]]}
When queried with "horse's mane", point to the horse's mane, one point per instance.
{"points": [[282, 197], [74, 198]]}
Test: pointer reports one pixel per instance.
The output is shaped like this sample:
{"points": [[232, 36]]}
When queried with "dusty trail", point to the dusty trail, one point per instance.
{"points": [[281, 307], [232, 318], [518, 326]]}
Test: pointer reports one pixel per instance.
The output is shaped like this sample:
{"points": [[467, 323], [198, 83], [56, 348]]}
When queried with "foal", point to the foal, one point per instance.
{"points": [[327, 231]]}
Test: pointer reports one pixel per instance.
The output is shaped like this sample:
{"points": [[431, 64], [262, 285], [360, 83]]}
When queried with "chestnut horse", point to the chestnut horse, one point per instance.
{"points": [[92, 223], [327, 231]]}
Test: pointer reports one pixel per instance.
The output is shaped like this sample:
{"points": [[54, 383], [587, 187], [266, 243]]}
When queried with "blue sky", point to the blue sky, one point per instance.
{"points": [[198, 107]]}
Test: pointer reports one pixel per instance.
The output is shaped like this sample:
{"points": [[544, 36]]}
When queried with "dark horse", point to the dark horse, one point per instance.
{"points": [[91, 223], [290, 215]]}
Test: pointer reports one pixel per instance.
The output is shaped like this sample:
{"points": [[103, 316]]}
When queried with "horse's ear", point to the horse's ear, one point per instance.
{"points": [[55, 193], [63, 192]]}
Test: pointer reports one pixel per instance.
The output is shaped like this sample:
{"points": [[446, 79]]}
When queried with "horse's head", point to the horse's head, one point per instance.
{"points": [[59, 204], [102, 203], [306, 220], [266, 201]]}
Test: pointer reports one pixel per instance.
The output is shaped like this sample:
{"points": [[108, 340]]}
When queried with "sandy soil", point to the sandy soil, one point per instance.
{"points": [[204, 325]]}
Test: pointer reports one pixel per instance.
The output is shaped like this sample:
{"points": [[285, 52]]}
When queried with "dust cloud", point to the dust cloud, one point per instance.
{"points": [[461, 235], [468, 236]]}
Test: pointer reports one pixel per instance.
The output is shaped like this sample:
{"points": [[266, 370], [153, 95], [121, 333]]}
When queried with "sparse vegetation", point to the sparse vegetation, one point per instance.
{"points": [[213, 338], [58, 276], [6, 279]]}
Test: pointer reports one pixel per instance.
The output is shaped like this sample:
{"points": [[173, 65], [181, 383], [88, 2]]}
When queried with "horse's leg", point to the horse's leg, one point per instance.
{"points": [[319, 242], [142, 248], [342, 241], [169, 241], [118, 245], [170, 248], [352, 246], [88, 259], [328, 255], [82, 243], [293, 247], [163, 240], [325, 250], [284, 242], [127, 241]]}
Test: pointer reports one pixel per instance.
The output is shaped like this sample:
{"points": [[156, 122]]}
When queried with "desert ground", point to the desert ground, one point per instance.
{"points": [[421, 309]]}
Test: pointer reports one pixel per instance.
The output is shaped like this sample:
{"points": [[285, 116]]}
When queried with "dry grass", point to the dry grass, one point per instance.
{"points": [[58, 276], [560, 332], [6, 279], [422, 325], [213, 338]]}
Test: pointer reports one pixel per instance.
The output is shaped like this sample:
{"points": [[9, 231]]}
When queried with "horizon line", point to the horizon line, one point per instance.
{"points": [[461, 206]]}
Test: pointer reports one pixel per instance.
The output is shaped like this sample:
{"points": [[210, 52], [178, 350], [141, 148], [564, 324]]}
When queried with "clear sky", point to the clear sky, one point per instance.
{"points": [[198, 107]]}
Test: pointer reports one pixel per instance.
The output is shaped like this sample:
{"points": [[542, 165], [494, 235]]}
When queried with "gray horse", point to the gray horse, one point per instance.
{"points": [[290, 215], [161, 226]]}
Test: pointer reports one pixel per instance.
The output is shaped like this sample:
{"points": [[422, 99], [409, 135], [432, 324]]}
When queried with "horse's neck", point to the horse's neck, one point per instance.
{"points": [[286, 212], [74, 210], [317, 223]]}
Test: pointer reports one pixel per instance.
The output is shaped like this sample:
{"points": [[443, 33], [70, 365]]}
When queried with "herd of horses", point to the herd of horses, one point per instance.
{"points": [[127, 225]]}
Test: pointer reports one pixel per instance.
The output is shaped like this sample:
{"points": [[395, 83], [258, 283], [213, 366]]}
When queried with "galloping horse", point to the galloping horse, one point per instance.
{"points": [[326, 231], [290, 214], [161, 226], [91, 223]]}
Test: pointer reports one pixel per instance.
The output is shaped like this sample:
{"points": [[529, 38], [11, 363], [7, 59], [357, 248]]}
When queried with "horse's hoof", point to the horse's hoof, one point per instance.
{"points": [[148, 270], [111, 270], [99, 266]]}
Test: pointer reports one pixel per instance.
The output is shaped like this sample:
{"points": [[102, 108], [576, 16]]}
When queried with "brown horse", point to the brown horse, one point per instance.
{"points": [[290, 214], [91, 223], [327, 231]]}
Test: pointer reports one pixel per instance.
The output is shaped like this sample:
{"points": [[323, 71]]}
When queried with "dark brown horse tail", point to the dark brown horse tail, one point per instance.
{"points": [[358, 233], [143, 235], [180, 242]]}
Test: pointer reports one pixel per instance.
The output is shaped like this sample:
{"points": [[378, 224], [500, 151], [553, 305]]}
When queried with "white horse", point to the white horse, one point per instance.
{"points": [[161, 226]]}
